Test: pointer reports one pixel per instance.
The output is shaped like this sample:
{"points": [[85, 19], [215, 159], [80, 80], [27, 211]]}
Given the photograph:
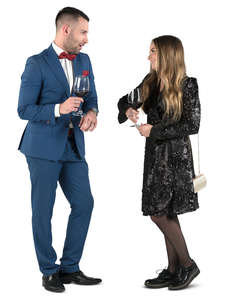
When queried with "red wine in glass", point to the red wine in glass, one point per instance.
{"points": [[81, 93], [134, 99]]}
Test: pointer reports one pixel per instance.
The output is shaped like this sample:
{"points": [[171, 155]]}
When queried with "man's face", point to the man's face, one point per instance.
{"points": [[77, 36]]}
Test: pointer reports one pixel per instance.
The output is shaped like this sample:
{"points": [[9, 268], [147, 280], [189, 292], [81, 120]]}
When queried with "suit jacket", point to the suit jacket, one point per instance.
{"points": [[44, 84]]}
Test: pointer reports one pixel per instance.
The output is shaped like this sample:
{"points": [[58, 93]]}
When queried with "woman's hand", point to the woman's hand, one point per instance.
{"points": [[132, 114], [145, 129]]}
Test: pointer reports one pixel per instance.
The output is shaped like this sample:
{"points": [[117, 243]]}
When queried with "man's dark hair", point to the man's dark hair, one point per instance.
{"points": [[72, 12]]}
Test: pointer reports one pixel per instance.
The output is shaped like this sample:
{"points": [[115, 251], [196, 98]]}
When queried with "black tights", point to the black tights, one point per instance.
{"points": [[175, 243]]}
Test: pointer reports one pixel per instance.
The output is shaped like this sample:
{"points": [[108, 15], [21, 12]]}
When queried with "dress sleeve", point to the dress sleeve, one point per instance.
{"points": [[123, 105], [189, 122]]}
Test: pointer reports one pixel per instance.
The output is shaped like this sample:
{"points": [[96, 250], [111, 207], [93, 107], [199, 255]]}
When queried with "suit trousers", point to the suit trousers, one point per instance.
{"points": [[72, 174]]}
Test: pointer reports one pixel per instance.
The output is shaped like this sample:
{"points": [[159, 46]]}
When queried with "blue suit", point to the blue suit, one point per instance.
{"points": [[54, 157]]}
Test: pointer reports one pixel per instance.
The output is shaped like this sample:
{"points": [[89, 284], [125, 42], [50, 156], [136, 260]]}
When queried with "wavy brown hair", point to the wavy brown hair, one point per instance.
{"points": [[170, 72]]}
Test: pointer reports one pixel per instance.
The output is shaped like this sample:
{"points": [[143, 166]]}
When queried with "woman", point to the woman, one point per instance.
{"points": [[170, 100]]}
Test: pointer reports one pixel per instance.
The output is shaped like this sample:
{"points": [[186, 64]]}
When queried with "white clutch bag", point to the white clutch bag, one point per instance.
{"points": [[199, 181]]}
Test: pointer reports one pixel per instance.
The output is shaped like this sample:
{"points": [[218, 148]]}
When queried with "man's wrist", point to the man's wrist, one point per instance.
{"points": [[95, 110]]}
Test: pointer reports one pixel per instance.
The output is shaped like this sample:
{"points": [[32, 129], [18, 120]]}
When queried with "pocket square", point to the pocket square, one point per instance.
{"points": [[85, 73]]}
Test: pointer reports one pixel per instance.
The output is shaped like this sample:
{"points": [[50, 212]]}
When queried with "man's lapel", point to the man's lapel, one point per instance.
{"points": [[76, 65], [56, 67], [79, 65]]}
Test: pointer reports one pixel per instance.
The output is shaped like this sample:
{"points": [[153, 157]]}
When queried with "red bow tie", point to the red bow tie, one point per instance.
{"points": [[68, 56]]}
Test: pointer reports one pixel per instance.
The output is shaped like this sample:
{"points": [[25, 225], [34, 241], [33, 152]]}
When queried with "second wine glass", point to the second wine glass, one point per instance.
{"points": [[134, 99]]}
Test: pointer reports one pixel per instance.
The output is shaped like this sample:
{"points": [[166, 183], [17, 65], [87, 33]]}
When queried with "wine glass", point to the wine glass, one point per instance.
{"points": [[134, 99], [80, 89]]}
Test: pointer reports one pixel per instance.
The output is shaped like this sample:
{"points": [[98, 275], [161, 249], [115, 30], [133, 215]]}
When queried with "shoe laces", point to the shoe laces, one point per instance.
{"points": [[55, 277], [160, 270], [162, 273]]}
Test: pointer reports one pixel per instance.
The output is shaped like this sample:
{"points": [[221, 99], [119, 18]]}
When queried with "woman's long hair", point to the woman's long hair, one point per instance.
{"points": [[170, 71]]}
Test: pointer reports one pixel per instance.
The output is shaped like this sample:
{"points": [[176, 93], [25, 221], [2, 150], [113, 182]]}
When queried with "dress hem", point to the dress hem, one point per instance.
{"points": [[163, 213]]}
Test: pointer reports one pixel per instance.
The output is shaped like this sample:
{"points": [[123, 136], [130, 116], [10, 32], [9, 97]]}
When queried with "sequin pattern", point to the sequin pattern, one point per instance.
{"points": [[168, 163]]}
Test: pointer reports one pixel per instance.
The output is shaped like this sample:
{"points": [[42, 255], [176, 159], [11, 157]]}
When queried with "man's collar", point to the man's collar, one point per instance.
{"points": [[57, 49]]}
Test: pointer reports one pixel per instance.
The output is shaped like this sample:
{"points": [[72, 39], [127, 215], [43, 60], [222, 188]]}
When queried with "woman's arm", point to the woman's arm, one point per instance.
{"points": [[190, 118], [123, 105]]}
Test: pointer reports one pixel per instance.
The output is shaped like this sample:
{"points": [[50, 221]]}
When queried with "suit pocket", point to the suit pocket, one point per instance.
{"points": [[42, 127]]}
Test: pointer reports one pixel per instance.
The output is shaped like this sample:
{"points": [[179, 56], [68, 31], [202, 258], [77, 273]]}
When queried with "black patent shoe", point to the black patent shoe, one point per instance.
{"points": [[184, 277], [52, 283], [164, 279], [78, 278]]}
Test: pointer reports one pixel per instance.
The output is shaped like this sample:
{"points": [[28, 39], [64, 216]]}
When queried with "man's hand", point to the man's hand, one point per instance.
{"points": [[71, 104], [88, 122], [132, 114], [145, 129]]}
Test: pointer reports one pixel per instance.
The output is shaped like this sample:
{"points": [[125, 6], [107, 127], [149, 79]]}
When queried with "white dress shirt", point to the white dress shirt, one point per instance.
{"points": [[67, 67]]}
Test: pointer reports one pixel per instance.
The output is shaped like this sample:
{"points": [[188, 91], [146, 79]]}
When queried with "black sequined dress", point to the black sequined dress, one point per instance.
{"points": [[168, 164]]}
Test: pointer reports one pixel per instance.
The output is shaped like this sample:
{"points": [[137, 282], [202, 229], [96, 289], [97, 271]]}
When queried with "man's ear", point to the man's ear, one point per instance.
{"points": [[66, 29]]}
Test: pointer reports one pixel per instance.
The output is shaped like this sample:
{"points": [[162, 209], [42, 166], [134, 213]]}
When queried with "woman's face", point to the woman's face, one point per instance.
{"points": [[153, 56]]}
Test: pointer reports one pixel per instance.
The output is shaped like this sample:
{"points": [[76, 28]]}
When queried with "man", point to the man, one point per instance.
{"points": [[53, 143]]}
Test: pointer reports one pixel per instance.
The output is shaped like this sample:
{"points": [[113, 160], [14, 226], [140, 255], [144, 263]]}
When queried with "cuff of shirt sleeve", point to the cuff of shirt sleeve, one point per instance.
{"points": [[94, 109], [57, 114]]}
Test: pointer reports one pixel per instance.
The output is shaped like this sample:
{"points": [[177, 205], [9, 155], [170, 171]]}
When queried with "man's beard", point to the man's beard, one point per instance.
{"points": [[74, 52], [68, 46], [71, 50]]}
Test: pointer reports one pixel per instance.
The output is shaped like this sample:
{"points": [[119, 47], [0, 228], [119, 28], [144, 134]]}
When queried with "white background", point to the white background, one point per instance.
{"points": [[123, 247]]}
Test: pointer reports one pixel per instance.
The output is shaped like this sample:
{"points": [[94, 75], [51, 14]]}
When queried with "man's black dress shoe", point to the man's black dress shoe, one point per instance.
{"points": [[184, 277], [78, 278], [163, 280], [53, 283]]}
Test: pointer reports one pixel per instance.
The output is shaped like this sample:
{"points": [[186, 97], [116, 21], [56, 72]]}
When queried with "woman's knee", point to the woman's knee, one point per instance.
{"points": [[158, 219], [154, 219]]}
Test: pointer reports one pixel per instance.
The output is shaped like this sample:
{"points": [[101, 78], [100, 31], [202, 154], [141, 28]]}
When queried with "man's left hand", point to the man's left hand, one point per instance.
{"points": [[145, 129], [88, 122]]}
